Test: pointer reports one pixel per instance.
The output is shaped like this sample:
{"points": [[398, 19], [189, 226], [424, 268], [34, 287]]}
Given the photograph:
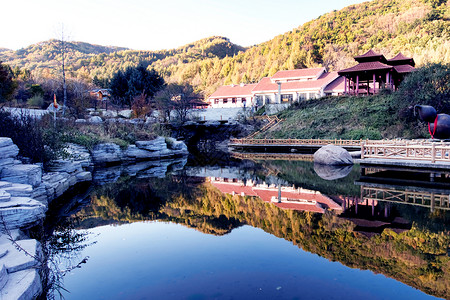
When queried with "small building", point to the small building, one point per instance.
{"points": [[228, 96], [374, 72]]}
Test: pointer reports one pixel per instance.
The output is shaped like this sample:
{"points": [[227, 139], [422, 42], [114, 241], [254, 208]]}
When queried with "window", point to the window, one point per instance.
{"points": [[302, 96], [225, 101], [216, 101], [286, 97], [233, 100], [267, 99]]}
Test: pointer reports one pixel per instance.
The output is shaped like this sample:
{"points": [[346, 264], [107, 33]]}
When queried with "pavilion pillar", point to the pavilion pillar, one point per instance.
{"points": [[374, 81], [388, 82], [357, 84], [345, 85]]}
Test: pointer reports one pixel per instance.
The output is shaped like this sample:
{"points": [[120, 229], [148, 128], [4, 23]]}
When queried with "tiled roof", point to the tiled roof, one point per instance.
{"points": [[366, 66], [337, 85], [298, 73], [404, 68], [266, 85], [370, 56], [227, 91], [399, 56]]}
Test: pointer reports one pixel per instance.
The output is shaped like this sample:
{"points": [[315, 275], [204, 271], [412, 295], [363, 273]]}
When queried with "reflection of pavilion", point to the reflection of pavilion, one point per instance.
{"points": [[281, 196]]}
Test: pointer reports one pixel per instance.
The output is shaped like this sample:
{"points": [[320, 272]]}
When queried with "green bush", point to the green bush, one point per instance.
{"points": [[36, 101]]}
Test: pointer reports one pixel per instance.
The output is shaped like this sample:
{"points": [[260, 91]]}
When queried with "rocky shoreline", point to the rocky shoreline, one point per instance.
{"points": [[26, 191]]}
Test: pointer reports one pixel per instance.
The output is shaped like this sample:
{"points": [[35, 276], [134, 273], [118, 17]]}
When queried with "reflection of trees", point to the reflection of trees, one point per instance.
{"points": [[417, 257]]}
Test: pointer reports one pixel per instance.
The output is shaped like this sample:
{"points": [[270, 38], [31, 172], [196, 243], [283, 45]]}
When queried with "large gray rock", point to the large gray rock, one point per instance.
{"points": [[106, 153], [10, 151], [67, 166], [134, 152], [21, 212], [332, 155], [95, 120], [157, 144], [176, 145], [27, 174], [332, 172], [19, 277]]}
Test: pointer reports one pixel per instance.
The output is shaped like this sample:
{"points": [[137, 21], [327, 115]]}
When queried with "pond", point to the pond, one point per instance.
{"points": [[266, 229]]}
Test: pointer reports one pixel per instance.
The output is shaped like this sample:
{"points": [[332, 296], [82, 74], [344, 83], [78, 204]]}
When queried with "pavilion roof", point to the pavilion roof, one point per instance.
{"points": [[401, 59], [370, 56], [401, 69], [366, 66]]}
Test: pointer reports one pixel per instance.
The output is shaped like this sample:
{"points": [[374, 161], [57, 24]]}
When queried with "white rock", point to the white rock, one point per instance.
{"points": [[84, 176], [126, 113], [19, 190], [28, 174], [95, 120], [3, 275], [109, 114], [10, 151], [176, 145], [106, 153], [78, 121], [22, 285], [157, 144], [62, 165], [5, 142], [21, 212], [332, 155], [137, 153], [18, 260], [4, 196]]}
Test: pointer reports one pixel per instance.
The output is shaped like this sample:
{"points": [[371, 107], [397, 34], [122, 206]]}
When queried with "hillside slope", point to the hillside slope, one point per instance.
{"points": [[418, 28]]}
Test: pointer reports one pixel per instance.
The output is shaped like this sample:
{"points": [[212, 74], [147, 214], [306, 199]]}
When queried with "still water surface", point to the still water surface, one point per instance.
{"points": [[218, 235]]}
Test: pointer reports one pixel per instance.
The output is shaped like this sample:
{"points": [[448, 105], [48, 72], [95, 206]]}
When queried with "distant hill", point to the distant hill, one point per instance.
{"points": [[418, 28]]}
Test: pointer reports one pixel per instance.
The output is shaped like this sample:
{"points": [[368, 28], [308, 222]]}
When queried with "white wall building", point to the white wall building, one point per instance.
{"points": [[283, 87]]}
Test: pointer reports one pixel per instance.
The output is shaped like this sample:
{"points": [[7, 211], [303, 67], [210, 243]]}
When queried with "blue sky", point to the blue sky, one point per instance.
{"points": [[154, 25]]}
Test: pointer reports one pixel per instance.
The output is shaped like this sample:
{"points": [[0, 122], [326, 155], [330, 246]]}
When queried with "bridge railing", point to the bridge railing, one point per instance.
{"points": [[426, 151], [312, 142]]}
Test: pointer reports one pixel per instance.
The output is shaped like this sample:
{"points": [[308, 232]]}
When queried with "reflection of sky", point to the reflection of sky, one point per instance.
{"points": [[167, 261]]}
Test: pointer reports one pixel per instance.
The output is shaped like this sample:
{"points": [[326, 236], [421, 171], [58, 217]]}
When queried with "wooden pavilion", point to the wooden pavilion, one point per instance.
{"points": [[374, 72]]}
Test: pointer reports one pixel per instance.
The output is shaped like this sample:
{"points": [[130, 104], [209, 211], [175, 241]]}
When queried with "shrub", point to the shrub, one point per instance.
{"points": [[36, 101]]}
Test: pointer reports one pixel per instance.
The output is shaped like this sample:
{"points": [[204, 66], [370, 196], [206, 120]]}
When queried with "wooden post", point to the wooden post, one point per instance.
{"points": [[433, 153], [362, 150]]}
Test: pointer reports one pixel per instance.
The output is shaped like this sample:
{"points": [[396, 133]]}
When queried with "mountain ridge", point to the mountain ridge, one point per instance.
{"points": [[417, 28]]}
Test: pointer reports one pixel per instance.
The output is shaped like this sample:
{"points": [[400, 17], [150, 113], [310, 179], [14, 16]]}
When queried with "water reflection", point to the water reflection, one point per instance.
{"points": [[338, 220]]}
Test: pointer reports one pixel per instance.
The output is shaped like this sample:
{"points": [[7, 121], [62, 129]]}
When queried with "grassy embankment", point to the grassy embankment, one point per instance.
{"points": [[373, 117]]}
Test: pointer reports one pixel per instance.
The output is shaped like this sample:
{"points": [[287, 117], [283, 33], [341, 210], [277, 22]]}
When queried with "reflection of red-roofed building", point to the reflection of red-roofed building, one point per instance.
{"points": [[291, 198]]}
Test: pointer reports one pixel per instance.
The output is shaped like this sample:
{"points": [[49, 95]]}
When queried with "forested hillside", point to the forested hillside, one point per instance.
{"points": [[417, 28]]}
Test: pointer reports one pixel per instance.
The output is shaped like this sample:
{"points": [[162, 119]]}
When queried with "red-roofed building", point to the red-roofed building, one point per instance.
{"points": [[232, 96], [374, 72], [285, 86]]}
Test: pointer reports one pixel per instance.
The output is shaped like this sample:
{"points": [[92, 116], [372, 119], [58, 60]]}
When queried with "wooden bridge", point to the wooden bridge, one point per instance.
{"points": [[272, 156], [291, 144], [421, 198]]}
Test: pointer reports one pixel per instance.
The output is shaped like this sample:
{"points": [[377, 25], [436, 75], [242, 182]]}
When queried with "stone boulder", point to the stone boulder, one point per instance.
{"points": [[95, 120], [27, 174], [134, 152], [107, 153], [176, 145], [125, 113], [7, 148], [332, 155], [158, 144], [21, 212]]}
